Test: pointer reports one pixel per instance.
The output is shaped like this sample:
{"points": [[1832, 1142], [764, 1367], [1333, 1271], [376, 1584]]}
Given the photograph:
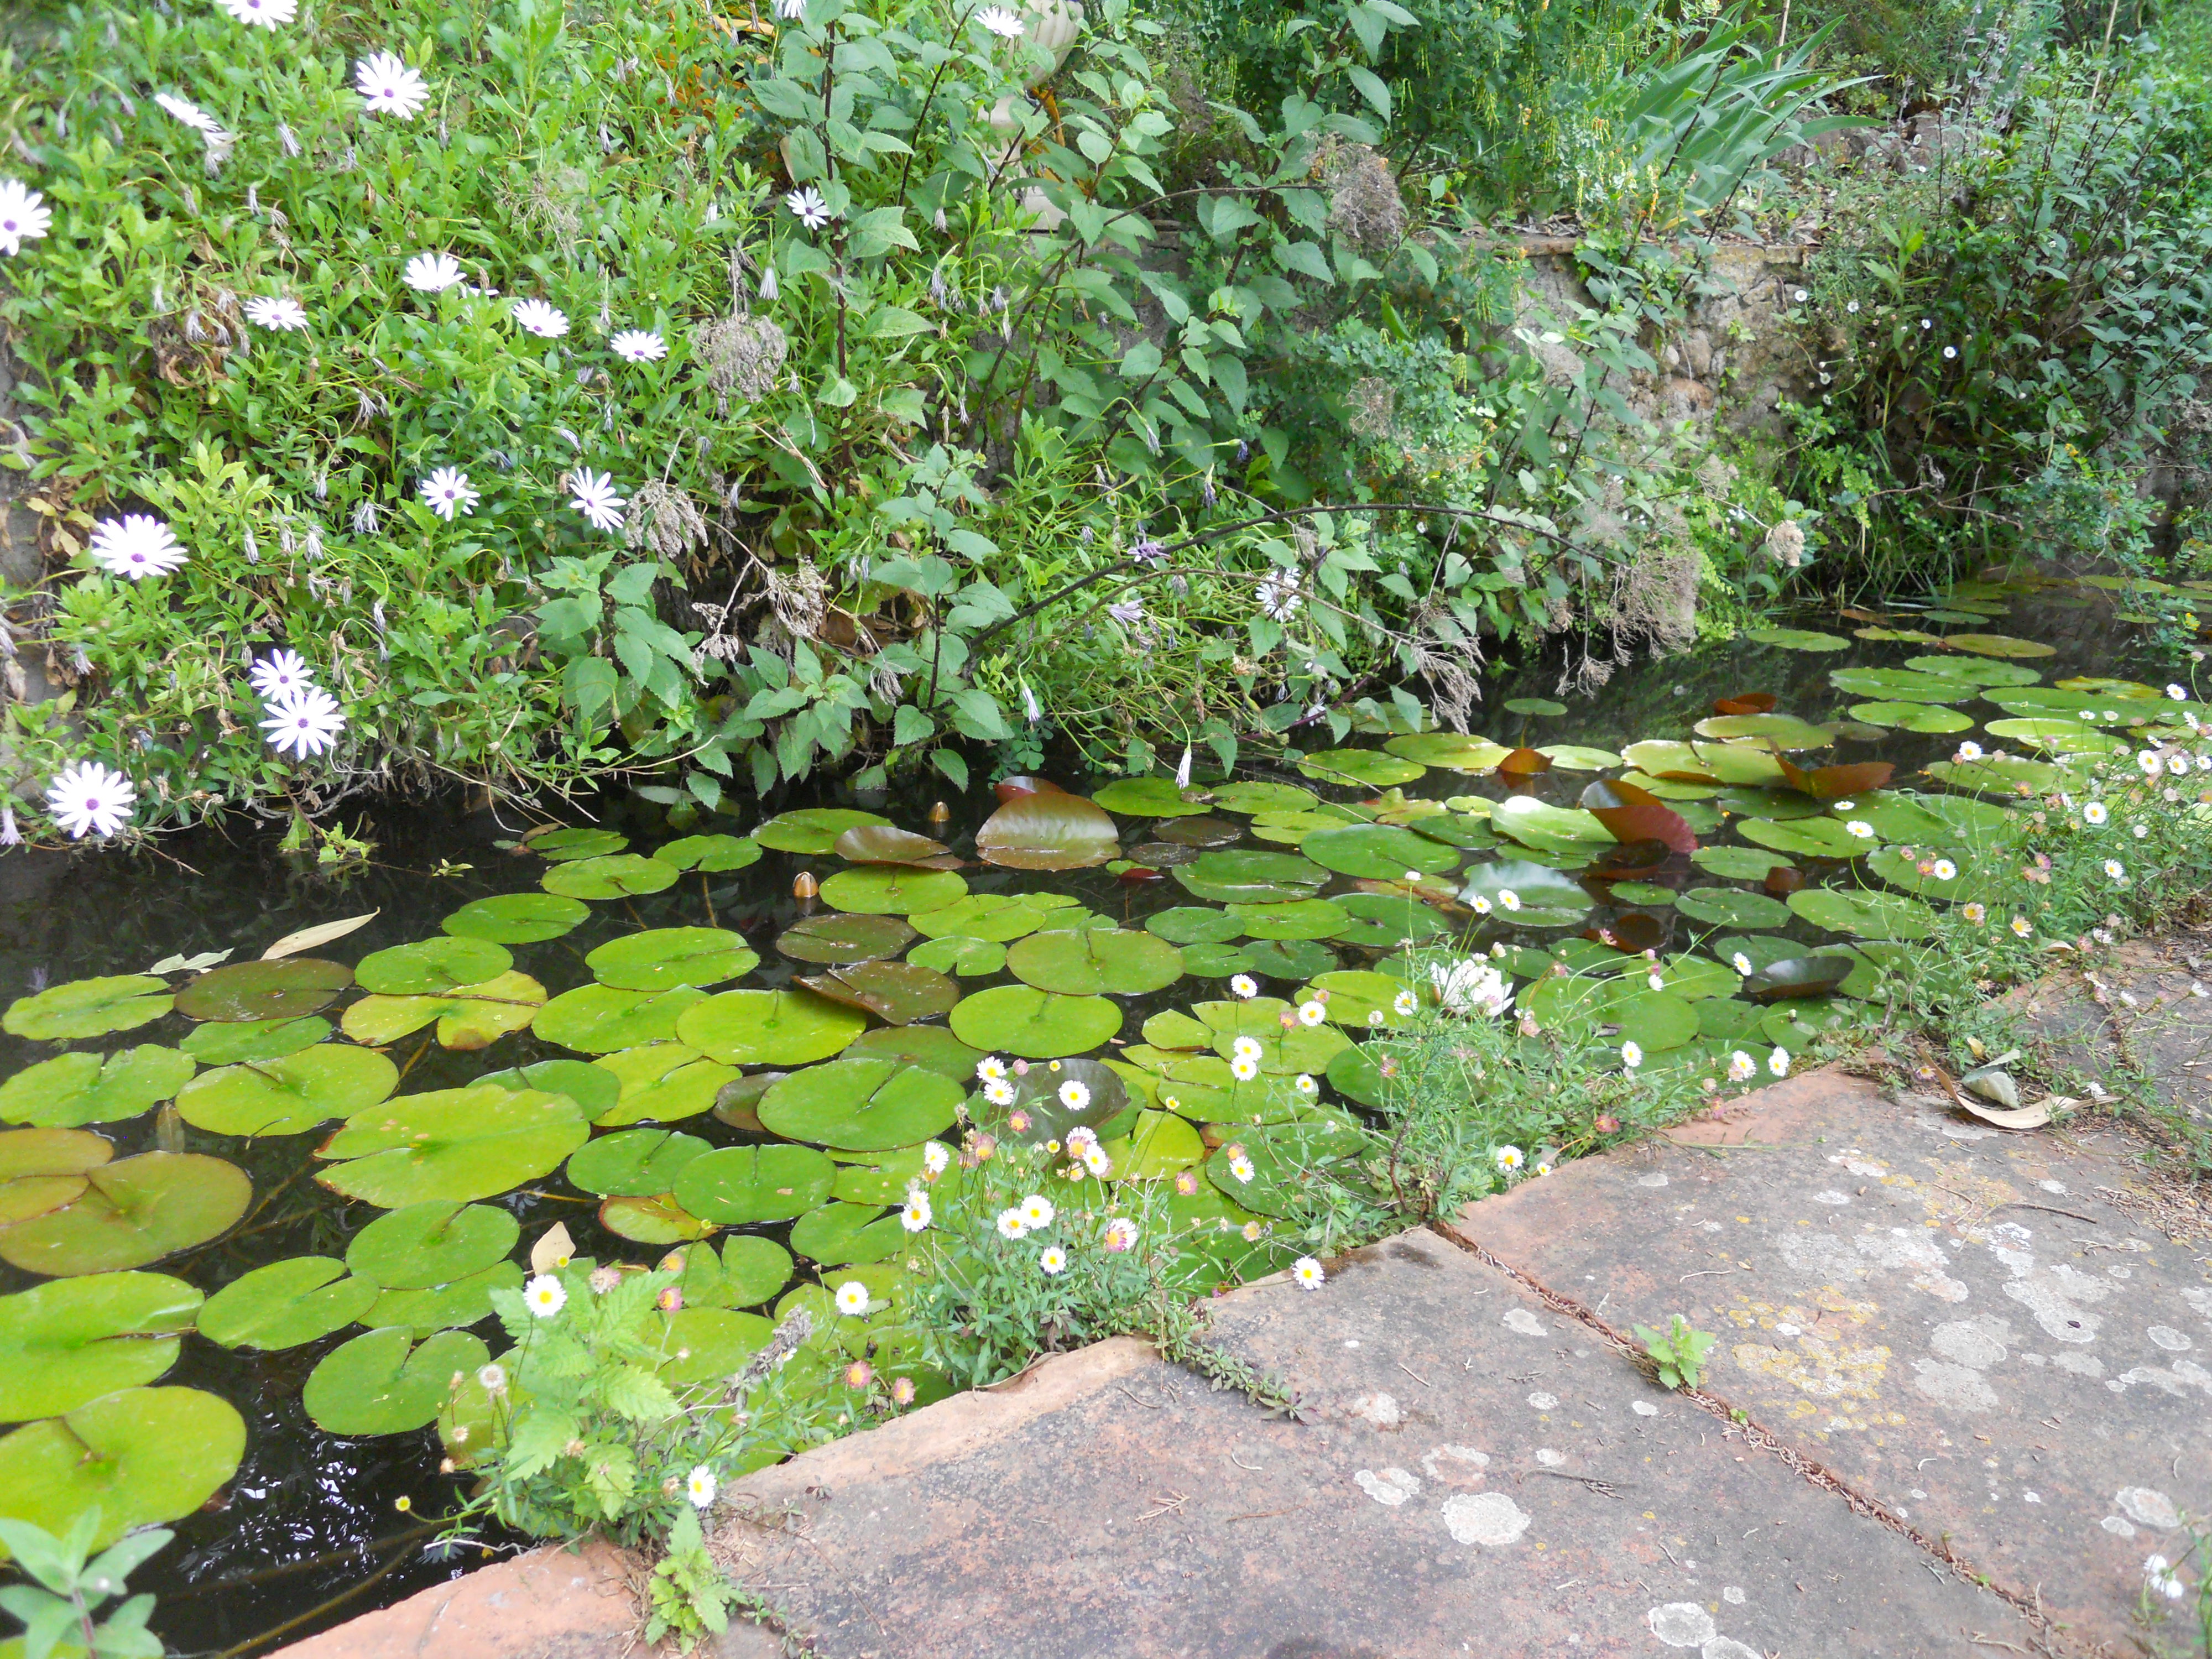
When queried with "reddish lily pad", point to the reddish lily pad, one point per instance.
{"points": [[1048, 828]]}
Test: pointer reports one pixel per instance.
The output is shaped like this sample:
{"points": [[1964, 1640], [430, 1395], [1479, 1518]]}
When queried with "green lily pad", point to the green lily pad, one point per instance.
{"points": [[89, 1008], [1020, 1019], [660, 1083], [1250, 876], [575, 842], [653, 1219], [1864, 915], [883, 843], [1091, 961], [619, 875], [1454, 752], [1046, 829], [769, 1028], [417, 1246], [1521, 893], [1782, 730], [1741, 764], [661, 958], [76, 1089], [1893, 866], [1384, 922], [1731, 907], [1358, 998], [1249, 797], [74, 1339], [1160, 1144], [812, 829], [2055, 735], [1378, 851], [41, 1170], [1927, 717], [710, 854], [1194, 924], [1643, 894], [1696, 978], [231, 1042], [465, 1301], [597, 1019], [1899, 685], [1287, 1161], [878, 1178], [1462, 830], [997, 918], [1796, 639], [737, 1185], [468, 1018], [1579, 757], [1671, 788], [131, 1212], [300, 1299], [287, 1097], [384, 1382], [705, 1345], [1541, 707], [632, 1163], [2011, 775], [861, 1105], [1549, 829], [432, 967], [1148, 797], [753, 1269], [1654, 1021], [1372, 768], [844, 938], [453, 1144], [971, 958], [1999, 645], [899, 992], [1975, 671], [1737, 863], [837, 1234], [265, 990], [517, 918], [592, 1086], [1303, 919], [140, 1456], [1808, 838], [892, 890]]}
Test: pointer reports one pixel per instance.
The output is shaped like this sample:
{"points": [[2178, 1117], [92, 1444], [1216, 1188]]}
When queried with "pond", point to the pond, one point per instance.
{"points": [[252, 1211]]}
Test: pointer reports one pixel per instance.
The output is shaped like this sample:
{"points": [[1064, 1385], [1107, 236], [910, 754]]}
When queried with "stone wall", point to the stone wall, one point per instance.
{"points": [[22, 674]]}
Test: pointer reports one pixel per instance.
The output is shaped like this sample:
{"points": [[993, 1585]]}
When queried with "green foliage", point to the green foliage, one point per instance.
{"points": [[689, 1596], [69, 1584], [1678, 1352]]}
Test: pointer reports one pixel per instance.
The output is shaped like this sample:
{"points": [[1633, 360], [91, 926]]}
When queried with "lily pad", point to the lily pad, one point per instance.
{"points": [[1150, 797], [1549, 829], [2010, 776], [929, 1046], [971, 958], [653, 1219], [1976, 670], [632, 1163], [1579, 757], [300, 1299], [844, 938], [811, 828], [1731, 907], [89, 1008], [884, 843], [459, 1301], [2054, 735], [230, 1042], [384, 1382], [597, 1019], [1249, 876], [769, 1028], [131, 1212], [1539, 897], [1160, 1144], [1796, 639], [1194, 924], [897, 991], [578, 841], [1808, 837], [287, 1097], [1541, 707], [1454, 752], [1286, 1160], [839, 1233], [660, 1083], [705, 1345], [70, 1090], [1900, 685], [661, 958], [619, 875], [1999, 645], [43, 1169], [893, 889], [1020, 1019], [432, 967], [453, 1144], [1893, 866], [710, 854], [74, 1339], [265, 990], [139, 1456], [1738, 863], [1358, 998], [419, 1245], [998, 918], [1782, 730], [468, 1018], [1798, 976], [1252, 796], [753, 1269], [1091, 961], [1378, 851], [1301, 918], [1864, 915], [739, 1185], [517, 918], [1385, 921], [1372, 768], [1927, 717], [593, 1087], [1046, 829]]}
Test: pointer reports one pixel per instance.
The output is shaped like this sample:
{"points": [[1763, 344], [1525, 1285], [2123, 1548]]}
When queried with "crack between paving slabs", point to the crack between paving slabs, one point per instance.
{"points": [[1754, 1434]]}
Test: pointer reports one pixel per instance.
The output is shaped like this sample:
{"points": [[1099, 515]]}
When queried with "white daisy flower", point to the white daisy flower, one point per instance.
{"points": [[1967, 752], [2178, 764], [191, 115], [638, 345], [1243, 1068], [135, 545], [1096, 1162], [1245, 1047], [1508, 899], [388, 87], [999, 1093], [1241, 1167], [1306, 1272], [1311, 1013], [2150, 761], [1243, 987], [2139, 830], [1632, 1054], [448, 491], [280, 674], [792, 11], [1278, 597], [88, 799], [1052, 1261], [1404, 1006], [2096, 813], [1037, 1212], [991, 1069], [1741, 1067], [1741, 963], [431, 273], [1778, 1063], [1656, 980], [1011, 1224], [1005, 24], [1507, 1158], [1121, 1234], [492, 1379], [808, 207], [535, 317], [1975, 914], [2115, 871], [305, 722], [1860, 828], [1943, 869], [699, 1487], [262, 14], [544, 1296], [24, 215], [2022, 926], [1479, 904], [916, 1214], [1075, 1096], [278, 314], [593, 495], [936, 1158], [1305, 1085], [852, 1298], [2179, 693]]}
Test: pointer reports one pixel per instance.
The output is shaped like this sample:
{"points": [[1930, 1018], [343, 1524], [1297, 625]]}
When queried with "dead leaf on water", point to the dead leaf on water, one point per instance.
{"points": [[321, 933]]}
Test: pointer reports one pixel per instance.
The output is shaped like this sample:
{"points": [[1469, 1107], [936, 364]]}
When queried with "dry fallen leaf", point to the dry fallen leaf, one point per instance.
{"points": [[553, 1249], [321, 933], [2026, 1117]]}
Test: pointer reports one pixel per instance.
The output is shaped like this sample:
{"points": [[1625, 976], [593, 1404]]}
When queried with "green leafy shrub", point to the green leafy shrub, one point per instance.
{"points": [[1677, 1353], [69, 1584]]}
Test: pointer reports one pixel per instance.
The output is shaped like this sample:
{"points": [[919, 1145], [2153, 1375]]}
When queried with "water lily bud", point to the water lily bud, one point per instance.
{"points": [[939, 812], [804, 886]]}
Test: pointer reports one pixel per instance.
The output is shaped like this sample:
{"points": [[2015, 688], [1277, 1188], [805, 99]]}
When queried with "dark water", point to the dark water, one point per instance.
{"points": [[310, 1531]]}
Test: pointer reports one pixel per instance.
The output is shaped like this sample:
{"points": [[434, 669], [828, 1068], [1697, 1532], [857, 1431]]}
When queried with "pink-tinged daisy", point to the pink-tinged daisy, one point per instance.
{"points": [[281, 674], [388, 87], [448, 491], [808, 207], [307, 722], [535, 317], [278, 314], [137, 546], [88, 799], [593, 495], [638, 345], [24, 215]]}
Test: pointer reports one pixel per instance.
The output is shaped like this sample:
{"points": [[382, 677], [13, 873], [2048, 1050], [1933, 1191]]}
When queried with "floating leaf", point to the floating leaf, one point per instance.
{"points": [[2010, 776], [289, 1096], [1924, 717], [1633, 933], [597, 1019], [74, 1339], [1383, 921], [1749, 702], [1538, 706], [811, 828], [1899, 871], [1900, 685], [443, 1307], [883, 843], [1796, 639], [660, 1083], [768, 1028], [878, 1178], [468, 1018], [1288, 1161], [226, 1044], [2055, 735], [1454, 752], [1654, 1020], [265, 990], [432, 967], [1020, 1019], [384, 1382], [131, 1212], [1549, 829], [454, 1144], [592, 1087], [1303, 919], [971, 958], [753, 1269], [1358, 998], [634, 1164], [70, 1090], [139, 1456], [837, 1234], [89, 1008], [710, 854], [1374, 769], [1251, 876], [1048, 829], [1797, 976], [1541, 897], [705, 1345], [661, 958], [1781, 731], [43, 1169], [842, 938], [652, 1220], [1864, 915], [1102, 1096], [1579, 757], [618, 875], [1199, 833], [570, 844], [1089, 960], [894, 890], [1380, 852], [739, 1185], [1835, 782], [1631, 814], [517, 918], [1150, 797], [1256, 797], [998, 918], [897, 991], [1977, 670], [1999, 645], [419, 1245], [1738, 863], [1160, 1144], [323, 932], [299, 1300], [1193, 924], [1731, 907], [1819, 838]]}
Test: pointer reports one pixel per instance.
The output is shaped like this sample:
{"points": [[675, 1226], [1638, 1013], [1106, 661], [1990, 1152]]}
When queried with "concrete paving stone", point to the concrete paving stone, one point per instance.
{"points": [[1478, 1476], [1968, 1326]]}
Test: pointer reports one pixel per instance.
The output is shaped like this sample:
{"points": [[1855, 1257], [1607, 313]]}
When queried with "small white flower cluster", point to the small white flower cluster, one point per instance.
{"points": [[2160, 1579], [301, 717], [1474, 986]]}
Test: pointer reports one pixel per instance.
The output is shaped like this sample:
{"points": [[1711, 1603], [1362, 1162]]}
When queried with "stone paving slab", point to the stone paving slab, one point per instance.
{"points": [[1479, 1476], [1964, 1325]]}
